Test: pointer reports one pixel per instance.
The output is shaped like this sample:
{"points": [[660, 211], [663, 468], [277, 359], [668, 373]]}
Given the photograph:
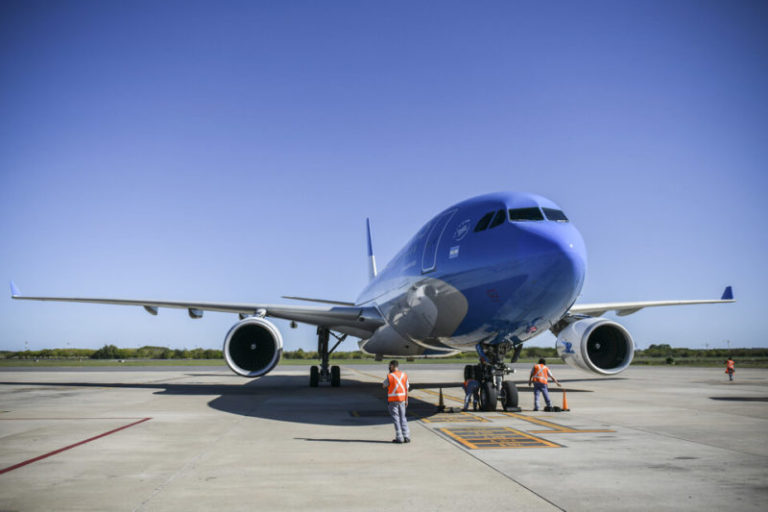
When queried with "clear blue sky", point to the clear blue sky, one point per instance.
{"points": [[232, 150]]}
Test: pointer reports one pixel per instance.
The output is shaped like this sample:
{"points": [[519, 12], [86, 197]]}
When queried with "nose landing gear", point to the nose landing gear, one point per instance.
{"points": [[490, 374]]}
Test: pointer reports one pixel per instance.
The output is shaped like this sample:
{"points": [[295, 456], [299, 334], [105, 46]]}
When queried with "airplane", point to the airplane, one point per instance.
{"points": [[483, 275]]}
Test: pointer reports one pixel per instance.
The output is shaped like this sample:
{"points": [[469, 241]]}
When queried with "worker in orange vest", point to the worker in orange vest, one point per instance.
{"points": [[397, 386], [730, 368], [540, 375]]}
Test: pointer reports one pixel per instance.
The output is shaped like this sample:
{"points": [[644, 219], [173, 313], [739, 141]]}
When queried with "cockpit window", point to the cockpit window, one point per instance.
{"points": [[498, 220], [555, 215], [483, 223], [532, 213]]}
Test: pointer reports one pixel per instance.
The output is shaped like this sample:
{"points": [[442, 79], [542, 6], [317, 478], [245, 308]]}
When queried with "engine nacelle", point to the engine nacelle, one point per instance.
{"points": [[253, 347], [597, 345]]}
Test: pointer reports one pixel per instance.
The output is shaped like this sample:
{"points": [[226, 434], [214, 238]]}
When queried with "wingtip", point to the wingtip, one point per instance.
{"points": [[727, 294], [14, 290]]}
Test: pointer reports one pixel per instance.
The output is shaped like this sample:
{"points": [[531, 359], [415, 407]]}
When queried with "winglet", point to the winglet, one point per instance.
{"points": [[14, 290], [727, 294], [371, 258]]}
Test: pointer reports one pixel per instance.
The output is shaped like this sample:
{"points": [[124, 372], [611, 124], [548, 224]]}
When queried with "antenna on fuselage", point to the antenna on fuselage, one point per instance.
{"points": [[371, 258]]}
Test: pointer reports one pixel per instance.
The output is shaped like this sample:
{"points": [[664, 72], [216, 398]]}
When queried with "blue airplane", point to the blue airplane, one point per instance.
{"points": [[484, 275]]}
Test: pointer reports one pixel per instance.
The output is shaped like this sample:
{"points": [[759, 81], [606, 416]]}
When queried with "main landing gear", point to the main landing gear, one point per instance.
{"points": [[322, 374], [490, 374]]}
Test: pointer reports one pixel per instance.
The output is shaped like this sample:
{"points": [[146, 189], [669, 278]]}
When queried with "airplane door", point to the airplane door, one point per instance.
{"points": [[429, 258]]}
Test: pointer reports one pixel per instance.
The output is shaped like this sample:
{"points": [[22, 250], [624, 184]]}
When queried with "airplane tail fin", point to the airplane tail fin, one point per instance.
{"points": [[727, 294], [371, 258]]}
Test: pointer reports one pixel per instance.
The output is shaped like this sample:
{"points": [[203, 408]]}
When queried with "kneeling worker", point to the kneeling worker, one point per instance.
{"points": [[397, 386], [471, 389], [540, 375]]}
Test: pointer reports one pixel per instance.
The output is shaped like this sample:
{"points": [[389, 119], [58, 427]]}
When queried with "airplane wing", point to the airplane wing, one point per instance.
{"points": [[627, 308], [356, 321]]}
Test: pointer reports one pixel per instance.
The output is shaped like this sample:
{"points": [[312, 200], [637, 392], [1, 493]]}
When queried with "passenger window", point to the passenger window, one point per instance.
{"points": [[483, 223], [499, 219], [532, 213], [555, 215]]}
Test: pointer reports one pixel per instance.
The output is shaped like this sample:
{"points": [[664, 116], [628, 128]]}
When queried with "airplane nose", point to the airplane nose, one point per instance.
{"points": [[557, 249]]}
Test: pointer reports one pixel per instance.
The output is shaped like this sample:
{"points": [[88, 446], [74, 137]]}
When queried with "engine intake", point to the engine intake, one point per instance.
{"points": [[253, 347], [597, 345]]}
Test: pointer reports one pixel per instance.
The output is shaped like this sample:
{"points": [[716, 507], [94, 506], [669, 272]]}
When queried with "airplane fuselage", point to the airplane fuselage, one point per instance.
{"points": [[499, 268]]}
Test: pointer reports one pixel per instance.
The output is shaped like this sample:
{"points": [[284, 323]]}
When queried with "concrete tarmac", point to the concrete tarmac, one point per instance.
{"points": [[652, 438]]}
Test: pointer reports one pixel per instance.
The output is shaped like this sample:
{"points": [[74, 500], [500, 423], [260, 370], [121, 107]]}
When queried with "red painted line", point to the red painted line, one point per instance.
{"points": [[30, 461], [66, 419]]}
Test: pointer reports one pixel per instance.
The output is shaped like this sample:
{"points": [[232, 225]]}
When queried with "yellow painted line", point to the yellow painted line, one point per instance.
{"points": [[552, 428], [445, 396], [377, 377], [483, 438], [455, 417]]}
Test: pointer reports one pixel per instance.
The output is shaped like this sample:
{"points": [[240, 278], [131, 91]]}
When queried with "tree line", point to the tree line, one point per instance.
{"points": [[154, 352]]}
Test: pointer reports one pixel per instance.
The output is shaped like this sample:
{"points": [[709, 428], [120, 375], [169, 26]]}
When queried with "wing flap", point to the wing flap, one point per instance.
{"points": [[340, 318]]}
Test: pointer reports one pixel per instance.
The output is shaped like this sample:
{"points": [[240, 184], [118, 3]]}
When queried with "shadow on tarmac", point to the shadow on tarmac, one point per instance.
{"points": [[280, 397], [289, 398]]}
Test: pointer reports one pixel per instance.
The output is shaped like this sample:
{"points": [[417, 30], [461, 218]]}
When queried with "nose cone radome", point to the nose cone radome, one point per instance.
{"points": [[557, 249]]}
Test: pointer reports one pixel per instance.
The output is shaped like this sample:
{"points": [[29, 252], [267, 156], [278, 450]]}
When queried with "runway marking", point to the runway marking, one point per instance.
{"points": [[49, 454], [458, 417], [482, 438], [63, 419], [552, 428], [377, 377], [445, 395]]}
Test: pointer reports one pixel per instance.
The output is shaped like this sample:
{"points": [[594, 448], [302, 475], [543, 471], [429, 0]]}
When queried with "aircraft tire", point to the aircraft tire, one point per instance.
{"points": [[314, 376], [488, 397], [335, 376], [510, 399]]}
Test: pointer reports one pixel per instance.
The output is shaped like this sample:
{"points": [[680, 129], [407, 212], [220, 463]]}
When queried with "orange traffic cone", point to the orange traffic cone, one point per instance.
{"points": [[565, 402]]}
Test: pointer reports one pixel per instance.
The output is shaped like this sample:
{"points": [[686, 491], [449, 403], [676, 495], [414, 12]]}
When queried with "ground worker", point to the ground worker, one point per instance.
{"points": [[730, 368], [471, 388], [540, 375], [397, 386]]}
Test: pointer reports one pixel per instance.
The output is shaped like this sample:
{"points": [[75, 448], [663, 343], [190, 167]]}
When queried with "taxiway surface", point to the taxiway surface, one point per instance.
{"points": [[652, 438]]}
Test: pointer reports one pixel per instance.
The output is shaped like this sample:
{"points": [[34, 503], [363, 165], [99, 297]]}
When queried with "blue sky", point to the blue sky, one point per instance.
{"points": [[232, 150]]}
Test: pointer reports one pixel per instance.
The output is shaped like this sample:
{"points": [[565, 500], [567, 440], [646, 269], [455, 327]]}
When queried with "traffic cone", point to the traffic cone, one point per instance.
{"points": [[565, 402], [441, 405]]}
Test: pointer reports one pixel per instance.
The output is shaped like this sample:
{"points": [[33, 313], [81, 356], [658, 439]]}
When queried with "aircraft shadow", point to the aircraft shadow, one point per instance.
{"points": [[289, 398], [279, 398]]}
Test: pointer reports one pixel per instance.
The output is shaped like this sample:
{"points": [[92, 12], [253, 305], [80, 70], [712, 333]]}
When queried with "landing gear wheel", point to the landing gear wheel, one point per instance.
{"points": [[335, 376], [488, 396], [314, 376], [509, 400]]}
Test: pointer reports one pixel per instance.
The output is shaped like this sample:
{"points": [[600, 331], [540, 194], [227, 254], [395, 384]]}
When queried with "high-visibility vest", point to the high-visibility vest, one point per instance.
{"points": [[398, 387], [729, 366], [540, 373]]}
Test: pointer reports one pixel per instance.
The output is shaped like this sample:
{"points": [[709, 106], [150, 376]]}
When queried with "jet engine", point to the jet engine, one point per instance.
{"points": [[597, 345], [253, 347]]}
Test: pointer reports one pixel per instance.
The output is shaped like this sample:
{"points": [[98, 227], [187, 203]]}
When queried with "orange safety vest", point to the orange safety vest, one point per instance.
{"points": [[729, 366], [398, 387], [541, 373]]}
